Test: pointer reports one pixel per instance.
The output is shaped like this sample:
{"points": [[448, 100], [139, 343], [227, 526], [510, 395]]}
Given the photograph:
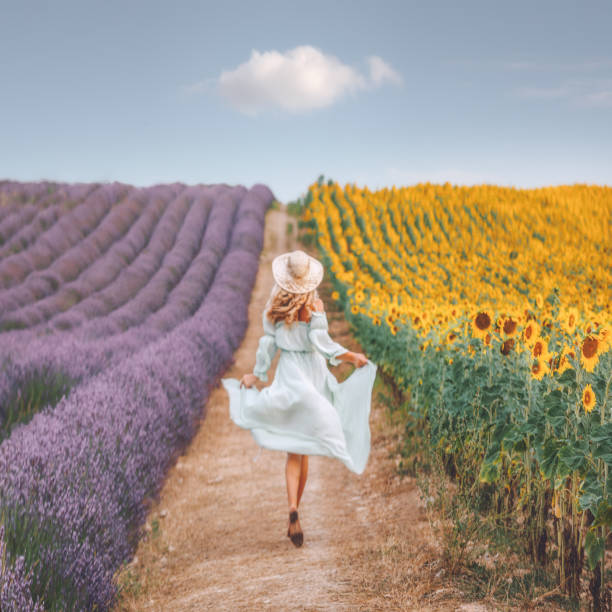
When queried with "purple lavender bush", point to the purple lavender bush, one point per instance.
{"points": [[91, 259], [15, 584], [39, 370], [69, 230], [75, 481], [14, 194], [68, 266], [21, 217], [98, 282], [49, 207]]}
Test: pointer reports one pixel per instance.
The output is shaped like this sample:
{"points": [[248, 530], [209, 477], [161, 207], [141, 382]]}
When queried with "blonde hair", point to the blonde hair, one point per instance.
{"points": [[285, 306]]}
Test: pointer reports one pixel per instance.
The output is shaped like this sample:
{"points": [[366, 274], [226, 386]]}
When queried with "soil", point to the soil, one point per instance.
{"points": [[216, 538]]}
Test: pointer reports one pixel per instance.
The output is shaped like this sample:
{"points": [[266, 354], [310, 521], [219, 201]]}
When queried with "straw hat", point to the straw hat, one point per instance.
{"points": [[297, 272]]}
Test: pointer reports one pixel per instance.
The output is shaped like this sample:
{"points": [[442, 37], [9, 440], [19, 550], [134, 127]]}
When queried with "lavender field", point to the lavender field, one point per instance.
{"points": [[119, 309]]}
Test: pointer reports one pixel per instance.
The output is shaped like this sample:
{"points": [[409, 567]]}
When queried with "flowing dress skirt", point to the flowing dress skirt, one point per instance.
{"points": [[307, 411]]}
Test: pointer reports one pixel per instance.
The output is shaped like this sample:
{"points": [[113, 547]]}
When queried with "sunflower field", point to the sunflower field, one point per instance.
{"points": [[491, 310]]}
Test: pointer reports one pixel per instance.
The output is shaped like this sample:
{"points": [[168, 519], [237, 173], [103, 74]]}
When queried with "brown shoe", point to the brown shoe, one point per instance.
{"points": [[295, 531]]}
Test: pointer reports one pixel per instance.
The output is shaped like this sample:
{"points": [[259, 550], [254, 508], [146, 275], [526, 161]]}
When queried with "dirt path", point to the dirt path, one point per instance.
{"points": [[217, 538]]}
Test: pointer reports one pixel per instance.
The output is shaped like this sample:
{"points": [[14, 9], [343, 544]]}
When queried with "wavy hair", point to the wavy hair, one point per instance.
{"points": [[285, 306]]}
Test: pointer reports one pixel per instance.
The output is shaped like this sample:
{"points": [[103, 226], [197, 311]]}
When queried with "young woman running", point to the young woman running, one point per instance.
{"points": [[305, 411]]}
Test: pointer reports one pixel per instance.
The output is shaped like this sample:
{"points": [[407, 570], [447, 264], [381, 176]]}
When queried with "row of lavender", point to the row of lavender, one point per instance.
{"points": [[141, 352], [139, 286]]}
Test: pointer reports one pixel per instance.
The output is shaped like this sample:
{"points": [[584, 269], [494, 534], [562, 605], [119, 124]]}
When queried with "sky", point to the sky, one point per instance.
{"points": [[376, 93]]}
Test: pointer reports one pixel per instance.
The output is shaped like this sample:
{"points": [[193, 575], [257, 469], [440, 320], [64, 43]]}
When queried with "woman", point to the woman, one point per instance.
{"points": [[305, 411]]}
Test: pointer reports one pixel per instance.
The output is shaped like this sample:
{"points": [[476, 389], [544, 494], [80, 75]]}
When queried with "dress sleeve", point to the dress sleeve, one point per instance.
{"points": [[266, 350], [319, 337]]}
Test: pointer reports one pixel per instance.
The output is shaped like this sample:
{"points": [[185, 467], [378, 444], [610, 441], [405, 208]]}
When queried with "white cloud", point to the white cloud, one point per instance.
{"points": [[543, 92], [298, 80], [600, 99], [590, 93], [580, 66], [380, 72], [532, 65]]}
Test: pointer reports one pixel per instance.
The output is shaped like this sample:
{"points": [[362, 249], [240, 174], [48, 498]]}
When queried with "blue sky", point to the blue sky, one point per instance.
{"points": [[279, 92]]}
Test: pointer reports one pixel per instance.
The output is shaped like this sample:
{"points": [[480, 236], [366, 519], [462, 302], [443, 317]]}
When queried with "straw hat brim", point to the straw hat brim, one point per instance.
{"points": [[286, 281]]}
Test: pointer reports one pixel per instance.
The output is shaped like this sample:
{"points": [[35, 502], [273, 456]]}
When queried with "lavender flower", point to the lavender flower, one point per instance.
{"points": [[15, 584], [65, 233], [75, 481], [50, 207]]}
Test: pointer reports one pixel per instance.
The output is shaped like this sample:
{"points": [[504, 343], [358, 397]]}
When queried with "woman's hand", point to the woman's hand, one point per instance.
{"points": [[248, 380], [359, 360]]}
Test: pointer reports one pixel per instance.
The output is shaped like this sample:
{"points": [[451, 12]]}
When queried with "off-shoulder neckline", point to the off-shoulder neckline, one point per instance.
{"points": [[314, 312]]}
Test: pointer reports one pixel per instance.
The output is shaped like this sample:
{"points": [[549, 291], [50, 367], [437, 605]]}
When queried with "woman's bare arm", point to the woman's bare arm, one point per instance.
{"points": [[357, 359], [318, 305]]}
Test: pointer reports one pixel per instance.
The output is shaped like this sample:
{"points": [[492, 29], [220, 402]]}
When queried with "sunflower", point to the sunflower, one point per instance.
{"points": [[507, 346], [539, 350], [605, 337], [570, 352], [539, 300], [590, 350], [335, 295], [539, 369], [531, 333], [509, 327], [451, 337], [561, 362], [481, 324], [569, 318], [354, 309], [359, 296], [588, 398]]}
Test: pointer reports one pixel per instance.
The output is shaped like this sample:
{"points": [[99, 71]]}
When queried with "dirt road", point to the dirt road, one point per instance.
{"points": [[217, 538]]}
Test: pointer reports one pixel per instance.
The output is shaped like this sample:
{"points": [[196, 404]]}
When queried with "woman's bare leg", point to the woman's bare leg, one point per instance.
{"points": [[303, 476], [292, 474]]}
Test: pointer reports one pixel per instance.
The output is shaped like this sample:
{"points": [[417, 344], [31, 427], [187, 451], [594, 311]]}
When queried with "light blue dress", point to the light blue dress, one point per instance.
{"points": [[306, 410]]}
